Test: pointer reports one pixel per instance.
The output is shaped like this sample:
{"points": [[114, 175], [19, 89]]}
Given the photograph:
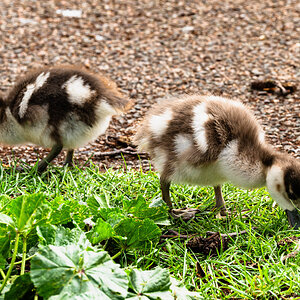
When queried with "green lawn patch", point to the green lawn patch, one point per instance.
{"points": [[62, 231]]}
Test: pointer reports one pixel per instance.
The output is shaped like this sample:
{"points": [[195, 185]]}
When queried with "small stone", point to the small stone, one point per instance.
{"points": [[187, 29], [27, 21], [70, 13], [256, 72]]}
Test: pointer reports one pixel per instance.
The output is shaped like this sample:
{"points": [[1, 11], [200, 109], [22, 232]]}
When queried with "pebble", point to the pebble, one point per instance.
{"points": [[187, 29], [99, 38], [71, 13]]}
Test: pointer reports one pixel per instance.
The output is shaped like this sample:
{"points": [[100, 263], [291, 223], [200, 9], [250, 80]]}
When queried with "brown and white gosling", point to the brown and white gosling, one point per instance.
{"points": [[58, 107], [209, 140]]}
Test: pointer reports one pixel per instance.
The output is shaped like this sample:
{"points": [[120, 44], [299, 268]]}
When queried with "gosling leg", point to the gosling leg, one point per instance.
{"points": [[220, 203], [184, 213], [69, 158], [165, 190], [42, 165]]}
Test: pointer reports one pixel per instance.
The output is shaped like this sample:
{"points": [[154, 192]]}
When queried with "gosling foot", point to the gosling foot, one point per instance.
{"points": [[222, 212], [70, 165], [185, 214]]}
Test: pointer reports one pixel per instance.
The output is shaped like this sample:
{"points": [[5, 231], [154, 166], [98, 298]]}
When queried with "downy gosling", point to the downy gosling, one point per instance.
{"points": [[209, 140], [59, 107]]}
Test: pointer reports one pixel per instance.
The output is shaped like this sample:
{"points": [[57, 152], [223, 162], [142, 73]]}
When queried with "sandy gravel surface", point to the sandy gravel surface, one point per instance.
{"points": [[157, 48]]}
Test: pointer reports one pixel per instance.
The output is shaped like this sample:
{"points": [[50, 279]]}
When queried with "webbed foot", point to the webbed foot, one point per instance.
{"points": [[222, 212], [185, 214]]}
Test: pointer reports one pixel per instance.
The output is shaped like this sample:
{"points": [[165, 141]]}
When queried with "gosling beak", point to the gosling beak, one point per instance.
{"points": [[293, 217]]}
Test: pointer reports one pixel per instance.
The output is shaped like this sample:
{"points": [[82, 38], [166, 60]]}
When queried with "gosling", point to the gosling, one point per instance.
{"points": [[209, 140], [60, 107]]}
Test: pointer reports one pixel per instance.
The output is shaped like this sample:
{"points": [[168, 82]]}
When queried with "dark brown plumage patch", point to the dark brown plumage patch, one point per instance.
{"points": [[267, 156], [2, 109], [232, 122], [180, 124], [292, 182]]}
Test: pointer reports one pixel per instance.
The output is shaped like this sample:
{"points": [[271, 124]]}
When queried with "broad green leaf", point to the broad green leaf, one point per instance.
{"points": [[68, 210], [181, 292], [135, 204], [159, 214], [7, 234], [157, 202], [149, 281], [93, 205], [97, 202], [61, 211], [6, 289], [79, 215], [61, 236], [132, 296], [69, 271], [138, 233], [4, 202], [5, 219], [106, 213], [29, 211], [100, 232], [154, 284], [114, 219], [22, 288], [111, 215], [46, 234], [141, 210], [88, 291], [137, 208]]}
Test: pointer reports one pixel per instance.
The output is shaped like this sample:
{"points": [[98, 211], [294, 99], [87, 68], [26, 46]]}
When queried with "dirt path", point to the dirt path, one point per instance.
{"points": [[155, 48]]}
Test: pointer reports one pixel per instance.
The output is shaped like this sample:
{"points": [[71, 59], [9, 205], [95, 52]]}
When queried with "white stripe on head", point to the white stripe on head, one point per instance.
{"points": [[182, 143], [199, 120], [30, 89], [158, 124], [276, 187], [78, 92]]}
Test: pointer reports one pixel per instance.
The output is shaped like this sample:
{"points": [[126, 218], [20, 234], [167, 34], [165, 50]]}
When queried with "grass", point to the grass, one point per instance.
{"points": [[252, 266]]}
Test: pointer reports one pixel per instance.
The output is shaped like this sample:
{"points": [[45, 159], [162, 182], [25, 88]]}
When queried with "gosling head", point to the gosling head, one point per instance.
{"points": [[283, 183]]}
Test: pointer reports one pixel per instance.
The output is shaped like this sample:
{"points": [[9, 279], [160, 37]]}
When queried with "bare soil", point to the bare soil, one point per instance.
{"points": [[157, 48]]}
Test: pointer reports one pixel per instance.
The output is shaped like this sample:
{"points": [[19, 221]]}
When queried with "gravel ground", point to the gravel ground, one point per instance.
{"points": [[157, 48]]}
